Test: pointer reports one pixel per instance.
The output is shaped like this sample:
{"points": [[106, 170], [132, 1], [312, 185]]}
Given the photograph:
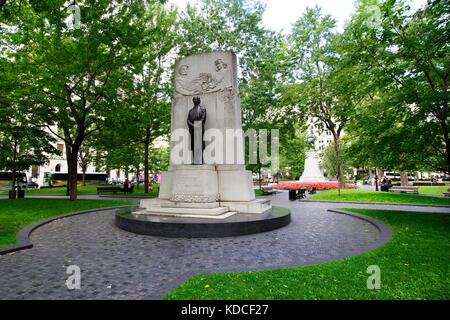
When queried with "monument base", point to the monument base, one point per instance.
{"points": [[179, 226], [312, 171], [205, 191], [160, 207]]}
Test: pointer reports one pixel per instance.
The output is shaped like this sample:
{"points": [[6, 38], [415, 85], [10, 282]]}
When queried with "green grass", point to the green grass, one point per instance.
{"points": [[433, 189], [413, 265], [377, 196], [18, 213], [92, 189]]}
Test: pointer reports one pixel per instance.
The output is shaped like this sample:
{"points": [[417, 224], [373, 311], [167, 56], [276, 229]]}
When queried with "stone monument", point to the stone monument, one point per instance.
{"points": [[206, 179], [312, 171]]}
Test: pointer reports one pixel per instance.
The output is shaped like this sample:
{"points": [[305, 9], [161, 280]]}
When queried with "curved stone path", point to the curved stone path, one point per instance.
{"points": [[116, 264]]}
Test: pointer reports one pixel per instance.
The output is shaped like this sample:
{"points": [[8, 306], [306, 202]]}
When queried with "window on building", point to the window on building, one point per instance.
{"points": [[58, 168], [60, 147]]}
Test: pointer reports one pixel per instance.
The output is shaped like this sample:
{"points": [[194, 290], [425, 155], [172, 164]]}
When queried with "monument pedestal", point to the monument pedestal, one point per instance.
{"points": [[205, 191], [312, 171]]}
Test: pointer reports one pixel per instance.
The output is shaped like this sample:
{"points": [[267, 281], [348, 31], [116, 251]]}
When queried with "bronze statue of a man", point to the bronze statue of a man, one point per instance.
{"points": [[196, 117]]}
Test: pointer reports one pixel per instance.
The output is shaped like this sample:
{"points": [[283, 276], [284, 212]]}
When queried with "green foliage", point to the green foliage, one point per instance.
{"points": [[292, 152], [22, 143], [406, 57], [378, 196], [330, 159]]}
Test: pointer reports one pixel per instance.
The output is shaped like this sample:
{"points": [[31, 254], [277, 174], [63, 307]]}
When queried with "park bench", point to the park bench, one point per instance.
{"points": [[268, 190], [114, 190], [109, 189], [447, 194], [297, 194], [404, 189]]}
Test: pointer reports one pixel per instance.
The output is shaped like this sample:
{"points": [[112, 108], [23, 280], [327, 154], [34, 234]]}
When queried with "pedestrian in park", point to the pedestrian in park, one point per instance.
{"points": [[150, 185], [125, 185]]}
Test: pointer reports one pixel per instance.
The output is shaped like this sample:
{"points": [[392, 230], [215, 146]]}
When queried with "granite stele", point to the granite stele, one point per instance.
{"points": [[206, 191], [207, 180]]}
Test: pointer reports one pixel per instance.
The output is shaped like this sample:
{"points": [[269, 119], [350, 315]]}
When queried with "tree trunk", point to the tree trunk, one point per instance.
{"points": [[376, 179], [73, 172], [146, 147], [416, 176], [370, 174], [84, 168], [404, 178], [13, 171], [68, 155], [340, 165], [137, 178]]}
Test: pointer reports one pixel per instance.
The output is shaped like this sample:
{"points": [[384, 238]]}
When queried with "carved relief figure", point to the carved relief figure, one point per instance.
{"points": [[186, 85], [205, 82], [222, 78]]}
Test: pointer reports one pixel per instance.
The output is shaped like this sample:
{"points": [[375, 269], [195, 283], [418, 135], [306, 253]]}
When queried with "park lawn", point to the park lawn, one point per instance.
{"points": [[433, 189], [18, 213], [377, 196], [413, 265], [92, 189]]}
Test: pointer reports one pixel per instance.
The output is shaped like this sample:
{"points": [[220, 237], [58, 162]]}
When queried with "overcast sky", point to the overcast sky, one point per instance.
{"points": [[280, 14]]}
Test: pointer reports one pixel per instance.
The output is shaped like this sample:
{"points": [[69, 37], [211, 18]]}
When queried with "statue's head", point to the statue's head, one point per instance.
{"points": [[196, 100], [183, 70], [220, 64]]}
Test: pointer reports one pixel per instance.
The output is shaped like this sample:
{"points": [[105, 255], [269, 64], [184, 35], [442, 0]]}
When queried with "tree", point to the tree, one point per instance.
{"points": [[147, 97], [85, 157], [22, 145], [292, 152], [324, 92], [73, 71], [407, 54], [263, 63], [221, 25], [330, 158]]}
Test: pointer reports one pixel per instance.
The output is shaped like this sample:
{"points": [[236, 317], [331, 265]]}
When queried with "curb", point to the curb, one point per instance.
{"points": [[23, 236], [383, 203], [385, 231]]}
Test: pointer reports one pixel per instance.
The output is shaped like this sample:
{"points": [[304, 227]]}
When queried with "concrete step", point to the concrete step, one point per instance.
{"points": [[184, 215], [191, 211]]}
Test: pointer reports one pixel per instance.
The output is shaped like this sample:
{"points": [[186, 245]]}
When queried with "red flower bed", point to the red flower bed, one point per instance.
{"points": [[309, 185]]}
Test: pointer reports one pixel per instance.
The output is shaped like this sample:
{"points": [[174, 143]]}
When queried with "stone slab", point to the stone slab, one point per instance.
{"points": [[182, 211], [259, 206], [235, 185]]}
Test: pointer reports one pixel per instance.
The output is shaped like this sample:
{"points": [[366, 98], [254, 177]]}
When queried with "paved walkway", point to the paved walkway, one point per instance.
{"points": [[116, 264]]}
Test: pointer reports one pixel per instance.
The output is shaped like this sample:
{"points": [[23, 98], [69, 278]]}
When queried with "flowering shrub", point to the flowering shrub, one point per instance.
{"points": [[309, 185]]}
